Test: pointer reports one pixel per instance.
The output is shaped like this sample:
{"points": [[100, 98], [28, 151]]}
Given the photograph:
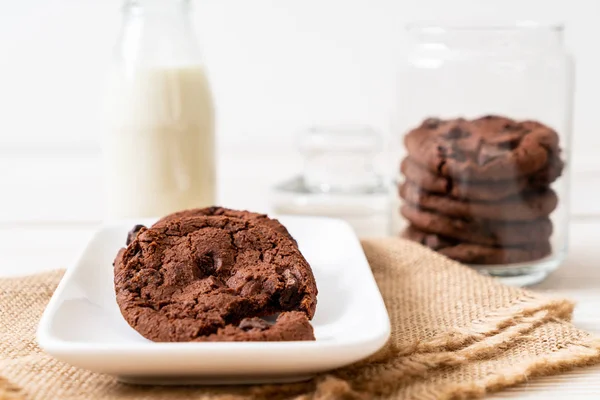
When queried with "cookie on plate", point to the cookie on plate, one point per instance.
{"points": [[210, 277], [471, 253], [525, 207]]}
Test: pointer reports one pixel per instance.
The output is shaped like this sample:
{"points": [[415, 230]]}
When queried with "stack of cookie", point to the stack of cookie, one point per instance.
{"points": [[478, 190]]}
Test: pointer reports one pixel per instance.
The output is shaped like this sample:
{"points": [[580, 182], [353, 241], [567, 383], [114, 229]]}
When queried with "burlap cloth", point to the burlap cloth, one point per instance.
{"points": [[455, 335]]}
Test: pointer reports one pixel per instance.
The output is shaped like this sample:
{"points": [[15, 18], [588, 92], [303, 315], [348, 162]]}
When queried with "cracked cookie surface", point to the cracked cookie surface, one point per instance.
{"points": [[215, 211], [208, 278]]}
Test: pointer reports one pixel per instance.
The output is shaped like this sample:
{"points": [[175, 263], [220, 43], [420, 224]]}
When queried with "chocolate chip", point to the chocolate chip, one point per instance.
{"points": [[457, 133], [132, 234], [206, 265], [211, 263], [248, 324], [290, 295], [431, 123]]}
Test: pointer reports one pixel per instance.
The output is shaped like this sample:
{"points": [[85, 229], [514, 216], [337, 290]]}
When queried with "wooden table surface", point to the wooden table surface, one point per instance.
{"points": [[32, 247]]}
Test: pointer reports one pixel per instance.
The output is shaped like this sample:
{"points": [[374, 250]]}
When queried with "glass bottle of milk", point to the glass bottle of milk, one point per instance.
{"points": [[159, 145]]}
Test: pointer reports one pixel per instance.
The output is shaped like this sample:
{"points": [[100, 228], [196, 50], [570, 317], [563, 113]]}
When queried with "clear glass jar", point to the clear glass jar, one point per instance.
{"points": [[485, 117], [159, 148], [341, 179]]}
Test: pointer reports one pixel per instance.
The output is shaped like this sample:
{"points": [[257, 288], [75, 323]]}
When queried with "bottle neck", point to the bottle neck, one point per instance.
{"points": [[158, 33]]}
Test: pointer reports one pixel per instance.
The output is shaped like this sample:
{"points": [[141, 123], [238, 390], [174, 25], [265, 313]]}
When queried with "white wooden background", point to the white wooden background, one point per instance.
{"points": [[276, 66]]}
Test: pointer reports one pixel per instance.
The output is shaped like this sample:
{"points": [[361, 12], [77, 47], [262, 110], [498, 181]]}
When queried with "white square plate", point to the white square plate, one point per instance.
{"points": [[83, 326]]}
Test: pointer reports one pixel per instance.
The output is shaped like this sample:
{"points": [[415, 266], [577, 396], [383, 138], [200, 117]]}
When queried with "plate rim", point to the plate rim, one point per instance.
{"points": [[60, 348]]}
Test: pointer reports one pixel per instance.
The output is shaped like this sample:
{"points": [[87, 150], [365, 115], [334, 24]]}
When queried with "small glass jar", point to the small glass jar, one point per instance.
{"points": [[485, 117], [341, 179]]}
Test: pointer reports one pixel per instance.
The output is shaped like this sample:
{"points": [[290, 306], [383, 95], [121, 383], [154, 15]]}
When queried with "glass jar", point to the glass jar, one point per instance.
{"points": [[485, 117], [341, 178], [159, 150]]}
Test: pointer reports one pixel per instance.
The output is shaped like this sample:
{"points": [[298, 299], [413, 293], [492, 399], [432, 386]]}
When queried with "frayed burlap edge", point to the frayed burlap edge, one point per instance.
{"points": [[8, 391], [454, 350], [505, 325], [573, 356]]}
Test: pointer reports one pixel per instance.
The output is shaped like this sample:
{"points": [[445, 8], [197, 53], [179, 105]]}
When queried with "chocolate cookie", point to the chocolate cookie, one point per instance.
{"points": [[491, 233], [480, 190], [214, 211], [475, 253], [489, 148], [526, 207], [210, 278]]}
